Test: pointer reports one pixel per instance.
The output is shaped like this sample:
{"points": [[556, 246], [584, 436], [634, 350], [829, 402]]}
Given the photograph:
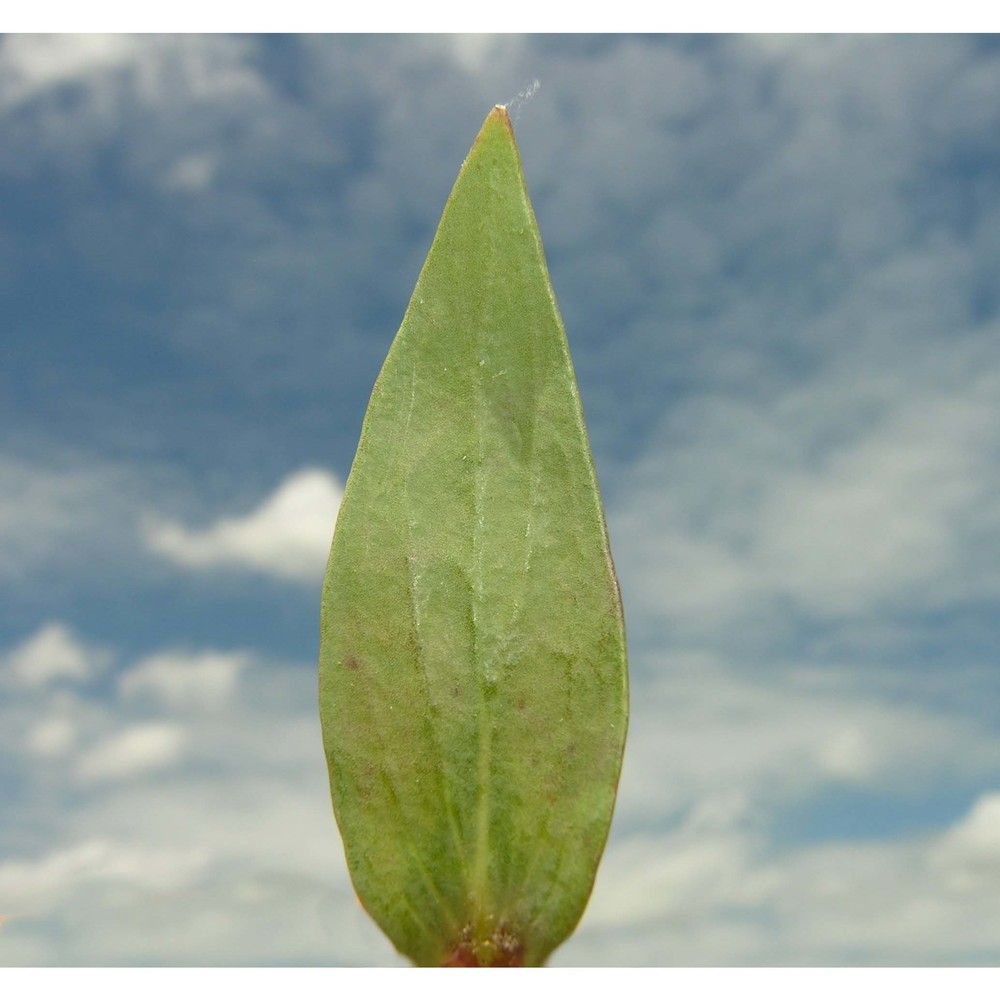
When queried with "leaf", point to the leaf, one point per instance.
{"points": [[473, 688]]}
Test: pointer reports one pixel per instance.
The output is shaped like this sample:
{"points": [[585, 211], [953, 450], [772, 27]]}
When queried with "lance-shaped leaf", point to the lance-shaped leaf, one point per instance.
{"points": [[473, 688]]}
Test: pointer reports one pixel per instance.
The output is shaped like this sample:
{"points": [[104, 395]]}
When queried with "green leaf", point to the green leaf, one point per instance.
{"points": [[473, 687]]}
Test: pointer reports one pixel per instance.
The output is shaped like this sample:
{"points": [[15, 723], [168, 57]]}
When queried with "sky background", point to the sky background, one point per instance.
{"points": [[777, 260]]}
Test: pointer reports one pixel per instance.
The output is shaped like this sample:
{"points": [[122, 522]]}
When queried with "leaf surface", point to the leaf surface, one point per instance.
{"points": [[473, 688]]}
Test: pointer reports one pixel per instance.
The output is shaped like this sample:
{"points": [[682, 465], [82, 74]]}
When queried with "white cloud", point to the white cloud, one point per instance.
{"points": [[892, 515], [862, 492], [115, 903], [703, 730], [181, 680], [848, 755], [715, 894], [53, 653], [191, 172], [160, 94], [287, 536], [163, 68], [63, 516], [53, 737], [233, 859], [137, 750], [976, 838], [686, 876], [30, 886], [476, 53], [30, 64]]}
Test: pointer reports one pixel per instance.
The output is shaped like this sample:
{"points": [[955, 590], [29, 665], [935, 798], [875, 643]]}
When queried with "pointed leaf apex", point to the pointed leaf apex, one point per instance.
{"points": [[499, 113], [496, 118]]}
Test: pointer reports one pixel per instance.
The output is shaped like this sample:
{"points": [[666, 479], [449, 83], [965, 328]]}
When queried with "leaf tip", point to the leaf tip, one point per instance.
{"points": [[499, 115]]}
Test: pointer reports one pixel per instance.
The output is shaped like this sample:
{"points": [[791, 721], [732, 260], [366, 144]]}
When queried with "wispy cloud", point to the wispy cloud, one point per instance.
{"points": [[777, 737], [52, 737], [715, 895], [33, 64], [106, 68], [53, 653], [133, 752], [855, 494], [29, 887], [191, 822], [181, 680], [708, 863]]}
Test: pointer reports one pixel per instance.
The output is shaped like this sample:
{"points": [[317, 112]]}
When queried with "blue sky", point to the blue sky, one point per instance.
{"points": [[777, 262]]}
